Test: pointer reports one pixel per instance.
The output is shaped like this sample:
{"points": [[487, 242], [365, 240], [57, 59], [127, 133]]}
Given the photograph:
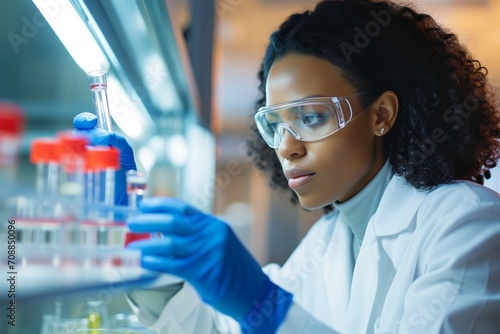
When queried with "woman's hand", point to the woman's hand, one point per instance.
{"points": [[85, 125], [204, 251]]}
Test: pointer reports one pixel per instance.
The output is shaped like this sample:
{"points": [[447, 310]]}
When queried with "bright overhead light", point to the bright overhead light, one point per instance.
{"points": [[71, 30], [125, 113], [128, 112], [159, 83]]}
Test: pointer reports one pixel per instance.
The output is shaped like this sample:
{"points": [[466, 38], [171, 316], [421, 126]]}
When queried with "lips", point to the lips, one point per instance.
{"points": [[297, 177]]}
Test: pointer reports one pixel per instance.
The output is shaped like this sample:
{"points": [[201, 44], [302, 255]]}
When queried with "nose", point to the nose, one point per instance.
{"points": [[290, 147]]}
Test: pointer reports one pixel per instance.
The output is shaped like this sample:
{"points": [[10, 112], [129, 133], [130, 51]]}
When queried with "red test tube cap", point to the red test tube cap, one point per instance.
{"points": [[69, 145], [103, 157], [11, 118], [72, 150], [44, 150]]}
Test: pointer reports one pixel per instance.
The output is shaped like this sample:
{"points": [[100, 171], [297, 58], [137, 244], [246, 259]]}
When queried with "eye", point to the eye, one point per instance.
{"points": [[273, 125], [314, 119]]}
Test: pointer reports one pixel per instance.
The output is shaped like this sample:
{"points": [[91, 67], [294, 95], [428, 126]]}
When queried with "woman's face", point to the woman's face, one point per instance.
{"points": [[336, 167]]}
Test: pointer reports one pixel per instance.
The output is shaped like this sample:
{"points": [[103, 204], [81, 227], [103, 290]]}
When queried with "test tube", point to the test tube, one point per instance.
{"points": [[103, 162], [72, 156], [98, 87], [44, 228], [136, 187], [72, 159], [45, 155]]}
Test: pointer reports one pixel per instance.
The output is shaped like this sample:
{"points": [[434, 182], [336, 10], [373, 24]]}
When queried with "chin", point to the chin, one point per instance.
{"points": [[312, 203]]}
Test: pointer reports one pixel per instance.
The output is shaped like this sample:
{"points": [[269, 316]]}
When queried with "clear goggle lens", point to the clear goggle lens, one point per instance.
{"points": [[306, 120]]}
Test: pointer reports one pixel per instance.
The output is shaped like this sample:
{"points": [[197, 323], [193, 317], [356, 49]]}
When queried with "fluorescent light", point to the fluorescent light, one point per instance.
{"points": [[159, 82], [71, 30], [126, 113]]}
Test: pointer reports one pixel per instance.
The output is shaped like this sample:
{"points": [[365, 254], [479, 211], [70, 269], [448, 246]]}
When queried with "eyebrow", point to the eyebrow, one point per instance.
{"points": [[313, 96]]}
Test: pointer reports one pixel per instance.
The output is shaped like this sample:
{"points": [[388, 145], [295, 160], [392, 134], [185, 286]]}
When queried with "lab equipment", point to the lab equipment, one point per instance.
{"points": [[100, 227], [136, 187], [98, 87], [40, 220], [85, 125], [48, 320], [102, 163], [39, 216], [45, 155], [40, 232], [72, 151], [204, 251], [308, 119], [11, 127], [112, 331], [97, 315], [95, 318]]}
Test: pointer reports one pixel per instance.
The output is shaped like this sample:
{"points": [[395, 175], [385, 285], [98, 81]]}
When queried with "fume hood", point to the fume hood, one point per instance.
{"points": [[154, 102]]}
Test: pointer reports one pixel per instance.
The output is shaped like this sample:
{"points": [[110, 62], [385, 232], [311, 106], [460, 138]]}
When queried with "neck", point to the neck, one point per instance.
{"points": [[357, 211]]}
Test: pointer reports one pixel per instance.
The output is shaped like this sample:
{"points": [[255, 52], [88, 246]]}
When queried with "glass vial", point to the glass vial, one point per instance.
{"points": [[102, 163], [44, 155], [136, 187], [98, 87]]}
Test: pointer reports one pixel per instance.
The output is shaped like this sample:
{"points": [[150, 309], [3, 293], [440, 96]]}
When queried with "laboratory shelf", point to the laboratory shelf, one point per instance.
{"points": [[56, 254], [76, 271]]}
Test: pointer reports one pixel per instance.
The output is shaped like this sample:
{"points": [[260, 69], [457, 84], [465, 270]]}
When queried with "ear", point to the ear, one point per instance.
{"points": [[385, 110]]}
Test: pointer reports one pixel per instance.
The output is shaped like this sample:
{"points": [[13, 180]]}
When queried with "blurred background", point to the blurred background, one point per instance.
{"points": [[39, 75]]}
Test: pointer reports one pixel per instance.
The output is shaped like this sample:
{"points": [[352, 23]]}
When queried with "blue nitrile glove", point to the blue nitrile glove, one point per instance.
{"points": [[85, 125], [204, 251]]}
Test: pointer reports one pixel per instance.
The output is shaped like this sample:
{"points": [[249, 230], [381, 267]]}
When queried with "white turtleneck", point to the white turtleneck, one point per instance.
{"points": [[357, 211]]}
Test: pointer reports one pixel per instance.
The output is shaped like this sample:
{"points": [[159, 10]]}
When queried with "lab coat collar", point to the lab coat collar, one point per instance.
{"points": [[395, 215], [398, 205]]}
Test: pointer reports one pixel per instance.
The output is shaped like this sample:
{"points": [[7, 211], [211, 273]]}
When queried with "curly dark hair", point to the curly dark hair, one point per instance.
{"points": [[448, 124]]}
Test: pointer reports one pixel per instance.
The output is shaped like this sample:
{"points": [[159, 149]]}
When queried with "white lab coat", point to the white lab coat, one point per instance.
{"points": [[429, 263]]}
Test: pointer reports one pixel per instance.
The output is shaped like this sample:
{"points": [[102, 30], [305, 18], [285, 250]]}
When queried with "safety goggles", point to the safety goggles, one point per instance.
{"points": [[309, 119]]}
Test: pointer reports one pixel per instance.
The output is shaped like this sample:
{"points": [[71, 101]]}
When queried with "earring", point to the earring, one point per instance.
{"points": [[382, 130]]}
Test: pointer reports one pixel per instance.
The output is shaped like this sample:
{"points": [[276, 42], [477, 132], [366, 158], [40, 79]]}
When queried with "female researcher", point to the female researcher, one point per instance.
{"points": [[375, 113]]}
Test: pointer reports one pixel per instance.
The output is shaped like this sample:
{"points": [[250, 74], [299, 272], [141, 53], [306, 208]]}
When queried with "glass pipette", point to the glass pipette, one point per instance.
{"points": [[98, 87]]}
